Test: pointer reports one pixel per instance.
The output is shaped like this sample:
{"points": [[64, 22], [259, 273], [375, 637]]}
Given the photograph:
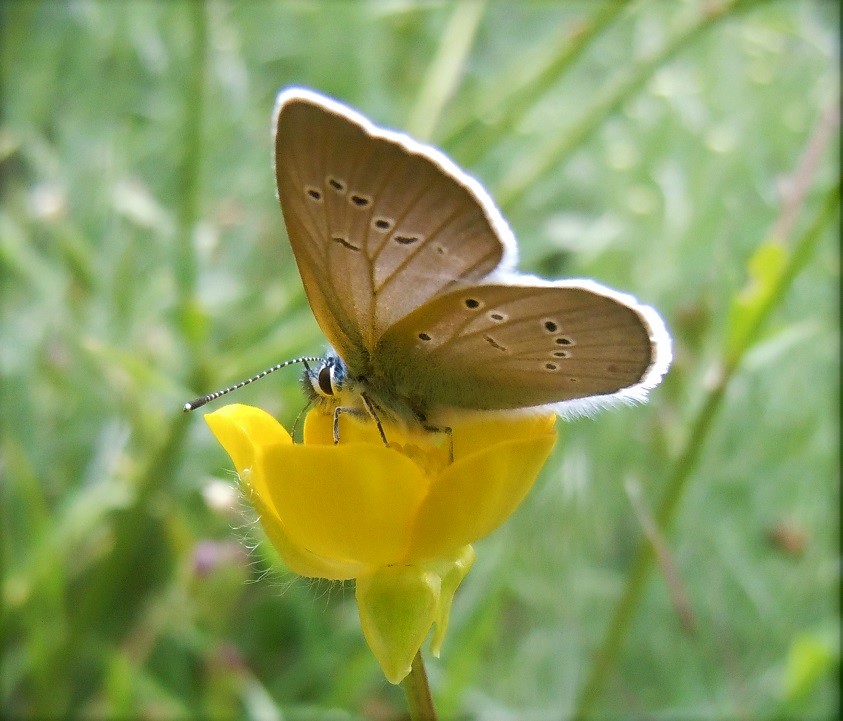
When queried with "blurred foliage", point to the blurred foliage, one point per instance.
{"points": [[662, 148]]}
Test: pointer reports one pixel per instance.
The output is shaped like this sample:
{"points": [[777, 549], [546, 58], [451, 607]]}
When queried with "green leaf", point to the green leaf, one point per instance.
{"points": [[811, 656], [765, 269]]}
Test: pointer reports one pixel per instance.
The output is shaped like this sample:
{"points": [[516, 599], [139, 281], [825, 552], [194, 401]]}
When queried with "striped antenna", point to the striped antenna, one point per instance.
{"points": [[202, 400]]}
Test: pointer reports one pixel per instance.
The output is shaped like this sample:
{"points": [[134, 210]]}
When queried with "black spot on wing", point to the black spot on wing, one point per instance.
{"points": [[345, 243], [492, 342]]}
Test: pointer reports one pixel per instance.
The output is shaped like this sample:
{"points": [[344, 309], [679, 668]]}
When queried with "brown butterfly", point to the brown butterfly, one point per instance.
{"points": [[409, 269]]}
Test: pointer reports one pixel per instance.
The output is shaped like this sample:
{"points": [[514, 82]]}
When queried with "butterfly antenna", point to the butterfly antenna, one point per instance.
{"points": [[202, 400]]}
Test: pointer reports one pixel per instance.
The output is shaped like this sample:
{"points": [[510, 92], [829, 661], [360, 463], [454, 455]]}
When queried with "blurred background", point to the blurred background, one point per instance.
{"points": [[675, 560]]}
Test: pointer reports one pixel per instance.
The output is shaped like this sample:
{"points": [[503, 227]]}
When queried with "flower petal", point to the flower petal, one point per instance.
{"points": [[301, 560], [478, 433], [244, 431], [350, 502], [479, 491], [240, 429], [397, 607]]}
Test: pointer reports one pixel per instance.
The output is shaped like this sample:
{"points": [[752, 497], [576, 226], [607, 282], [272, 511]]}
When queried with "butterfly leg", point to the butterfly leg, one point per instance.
{"points": [[356, 412], [447, 430], [337, 412], [371, 408]]}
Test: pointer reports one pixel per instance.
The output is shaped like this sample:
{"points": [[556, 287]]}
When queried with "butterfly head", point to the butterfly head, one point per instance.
{"points": [[327, 380]]}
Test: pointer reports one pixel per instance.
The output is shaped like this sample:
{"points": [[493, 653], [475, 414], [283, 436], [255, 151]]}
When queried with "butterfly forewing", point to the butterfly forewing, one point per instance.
{"points": [[314, 227], [379, 224], [495, 347]]}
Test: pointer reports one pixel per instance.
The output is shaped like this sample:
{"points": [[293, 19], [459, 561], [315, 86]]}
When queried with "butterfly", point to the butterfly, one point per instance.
{"points": [[409, 268]]}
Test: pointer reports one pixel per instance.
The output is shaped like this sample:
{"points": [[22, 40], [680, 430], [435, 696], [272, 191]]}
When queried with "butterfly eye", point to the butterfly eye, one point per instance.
{"points": [[406, 239], [314, 193], [560, 354], [424, 336], [497, 316], [472, 303], [324, 380], [562, 340], [382, 223], [550, 326], [551, 366]]}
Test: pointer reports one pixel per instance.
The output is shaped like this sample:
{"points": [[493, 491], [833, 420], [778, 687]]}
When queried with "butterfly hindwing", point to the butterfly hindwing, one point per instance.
{"points": [[494, 347]]}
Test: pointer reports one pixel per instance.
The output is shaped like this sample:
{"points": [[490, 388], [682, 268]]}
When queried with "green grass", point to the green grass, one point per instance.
{"points": [[653, 146]]}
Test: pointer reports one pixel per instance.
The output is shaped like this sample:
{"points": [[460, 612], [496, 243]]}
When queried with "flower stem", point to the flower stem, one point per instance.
{"points": [[417, 691]]}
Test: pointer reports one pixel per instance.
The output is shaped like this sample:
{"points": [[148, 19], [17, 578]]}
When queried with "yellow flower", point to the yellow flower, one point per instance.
{"points": [[398, 519]]}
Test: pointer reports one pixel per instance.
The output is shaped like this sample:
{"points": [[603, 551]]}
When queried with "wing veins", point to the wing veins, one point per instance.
{"points": [[469, 269], [410, 256], [347, 182], [471, 319], [302, 209], [409, 207], [458, 335], [291, 170], [372, 258]]}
